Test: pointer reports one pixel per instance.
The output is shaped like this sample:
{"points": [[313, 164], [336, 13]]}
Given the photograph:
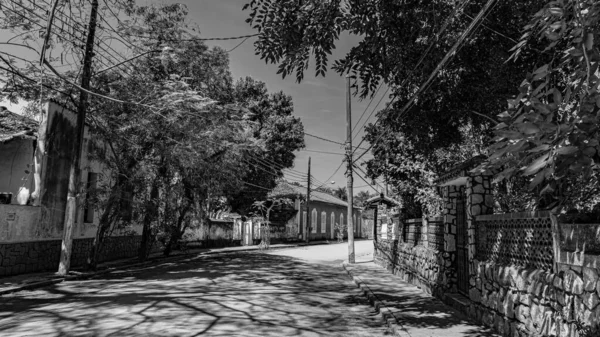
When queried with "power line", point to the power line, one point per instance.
{"points": [[239, 44], [441, 64], [328, 179], [367, 108], [324, 139], [324, 152], [455, 11], [329, 140]]}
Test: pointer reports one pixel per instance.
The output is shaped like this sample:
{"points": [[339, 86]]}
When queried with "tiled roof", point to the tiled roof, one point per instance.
{"points": [[14, 126], [460, 170], [287, 190], [372, 202]]}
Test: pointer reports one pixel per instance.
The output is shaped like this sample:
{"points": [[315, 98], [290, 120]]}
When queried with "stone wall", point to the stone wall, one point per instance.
{"points": [[37, 256], [529, 274], [422, 264], [532, 302]]}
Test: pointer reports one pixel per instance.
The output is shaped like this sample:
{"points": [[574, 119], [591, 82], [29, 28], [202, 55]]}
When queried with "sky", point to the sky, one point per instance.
{"points": [[320, 102]]}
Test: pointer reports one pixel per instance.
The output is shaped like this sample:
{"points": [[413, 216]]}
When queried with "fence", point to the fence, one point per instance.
{"points": [[510, 257], [520, 239]]}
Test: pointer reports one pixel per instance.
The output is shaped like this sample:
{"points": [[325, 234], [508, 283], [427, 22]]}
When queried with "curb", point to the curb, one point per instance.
{"points": [[154, 262], [386, 315]]}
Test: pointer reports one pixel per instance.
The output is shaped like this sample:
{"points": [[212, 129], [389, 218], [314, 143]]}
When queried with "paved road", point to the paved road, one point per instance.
{"points": [[295, 292]]}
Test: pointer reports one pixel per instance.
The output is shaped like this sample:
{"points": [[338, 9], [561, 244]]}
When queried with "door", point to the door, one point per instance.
{"points": [[462, 256]]}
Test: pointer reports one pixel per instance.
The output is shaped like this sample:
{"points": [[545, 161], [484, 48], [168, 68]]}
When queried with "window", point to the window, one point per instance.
{"points": [[332, 224], [304, 219], [313, 221], [354, 222], [88, 213], [323, 222], [384, 230], [342, 219]]}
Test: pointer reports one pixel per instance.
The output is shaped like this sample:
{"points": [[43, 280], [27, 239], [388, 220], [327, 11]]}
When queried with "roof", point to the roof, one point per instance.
{"points": [[287, 190], [381, 199], [453, 175], [14, 126]]}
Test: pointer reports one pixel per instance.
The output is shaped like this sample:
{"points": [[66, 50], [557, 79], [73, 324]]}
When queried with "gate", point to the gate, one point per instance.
{"points": [[462, 255]]}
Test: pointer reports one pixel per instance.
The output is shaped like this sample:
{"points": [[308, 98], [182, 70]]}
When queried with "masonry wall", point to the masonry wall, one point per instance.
{"points": [[530, 274], [38, 256], [413, 250]]}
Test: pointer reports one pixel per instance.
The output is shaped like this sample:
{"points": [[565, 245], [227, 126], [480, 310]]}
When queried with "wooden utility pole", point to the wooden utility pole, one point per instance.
{"points": [[75, 172], [351, 257], [307, 228]]}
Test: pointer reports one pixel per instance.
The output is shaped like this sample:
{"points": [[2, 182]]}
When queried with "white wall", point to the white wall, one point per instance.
{"points": [[16, 166]]}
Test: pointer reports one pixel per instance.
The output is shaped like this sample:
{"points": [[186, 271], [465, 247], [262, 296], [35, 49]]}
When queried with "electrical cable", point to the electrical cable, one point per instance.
{"points": [[441, 64]]}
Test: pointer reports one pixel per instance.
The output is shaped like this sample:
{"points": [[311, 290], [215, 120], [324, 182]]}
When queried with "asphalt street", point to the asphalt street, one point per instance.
{"points": [[291, 292]]}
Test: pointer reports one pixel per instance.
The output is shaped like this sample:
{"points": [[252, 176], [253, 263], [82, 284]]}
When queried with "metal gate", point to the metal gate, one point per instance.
{"points": [[462, 255]]}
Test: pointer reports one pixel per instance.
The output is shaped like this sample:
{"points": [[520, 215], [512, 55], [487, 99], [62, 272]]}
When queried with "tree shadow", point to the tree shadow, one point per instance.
{"points": [[219, 295]]}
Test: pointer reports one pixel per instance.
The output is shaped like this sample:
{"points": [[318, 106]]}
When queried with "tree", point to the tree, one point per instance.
{"points": [[549, 134], [459, 107], [341, 193], [361, 198], [281, 132]]}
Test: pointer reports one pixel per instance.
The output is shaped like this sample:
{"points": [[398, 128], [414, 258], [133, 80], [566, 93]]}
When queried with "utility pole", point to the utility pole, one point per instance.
{"points": [[351, 257], [307, 228], [75, 172]]}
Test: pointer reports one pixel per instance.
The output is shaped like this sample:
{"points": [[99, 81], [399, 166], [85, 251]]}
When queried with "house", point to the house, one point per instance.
{"points": [[18, 136], [34, 171], [325, 211]]}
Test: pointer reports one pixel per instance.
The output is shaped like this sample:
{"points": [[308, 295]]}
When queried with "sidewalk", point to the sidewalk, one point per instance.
{"points": [[11, 284], [406, 309]]}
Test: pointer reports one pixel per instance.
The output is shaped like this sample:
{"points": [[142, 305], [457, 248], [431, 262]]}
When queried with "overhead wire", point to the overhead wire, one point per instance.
{"points": [[440, 65], [444, 26]]}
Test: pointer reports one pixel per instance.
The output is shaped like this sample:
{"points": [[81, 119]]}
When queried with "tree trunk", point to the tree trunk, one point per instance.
{"points": [[176, 233], [75, 170], [149, 216], [106, 222]]}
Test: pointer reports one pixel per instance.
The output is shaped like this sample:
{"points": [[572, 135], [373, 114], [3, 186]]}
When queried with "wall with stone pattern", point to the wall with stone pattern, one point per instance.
{"points": [[424, 263], [37, 256], [530, 275]]}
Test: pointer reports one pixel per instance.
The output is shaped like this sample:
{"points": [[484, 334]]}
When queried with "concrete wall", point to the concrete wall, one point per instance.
{"points": [[16, 167]]}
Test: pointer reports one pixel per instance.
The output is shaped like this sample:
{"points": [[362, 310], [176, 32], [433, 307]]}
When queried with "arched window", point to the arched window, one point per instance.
{"points": [[332, 228], [323, 222], [313, 220], [304, 219]]}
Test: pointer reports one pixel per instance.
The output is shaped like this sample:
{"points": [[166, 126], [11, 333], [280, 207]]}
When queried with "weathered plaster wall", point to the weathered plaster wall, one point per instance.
{"points": [[16, 166], [19, 223], [58, 130]]}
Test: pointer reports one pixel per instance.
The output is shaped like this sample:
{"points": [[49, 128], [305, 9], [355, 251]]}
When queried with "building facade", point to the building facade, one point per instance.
{"points": [[33, 193], [327, 214]]}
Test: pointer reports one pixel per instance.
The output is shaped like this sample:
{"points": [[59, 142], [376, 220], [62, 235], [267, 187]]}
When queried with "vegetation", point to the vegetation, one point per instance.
{"points": [[182, 140], [546, 140]]}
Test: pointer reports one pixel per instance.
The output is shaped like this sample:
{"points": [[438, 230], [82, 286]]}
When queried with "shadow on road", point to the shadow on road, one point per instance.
{"points": [[244, 294]]}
